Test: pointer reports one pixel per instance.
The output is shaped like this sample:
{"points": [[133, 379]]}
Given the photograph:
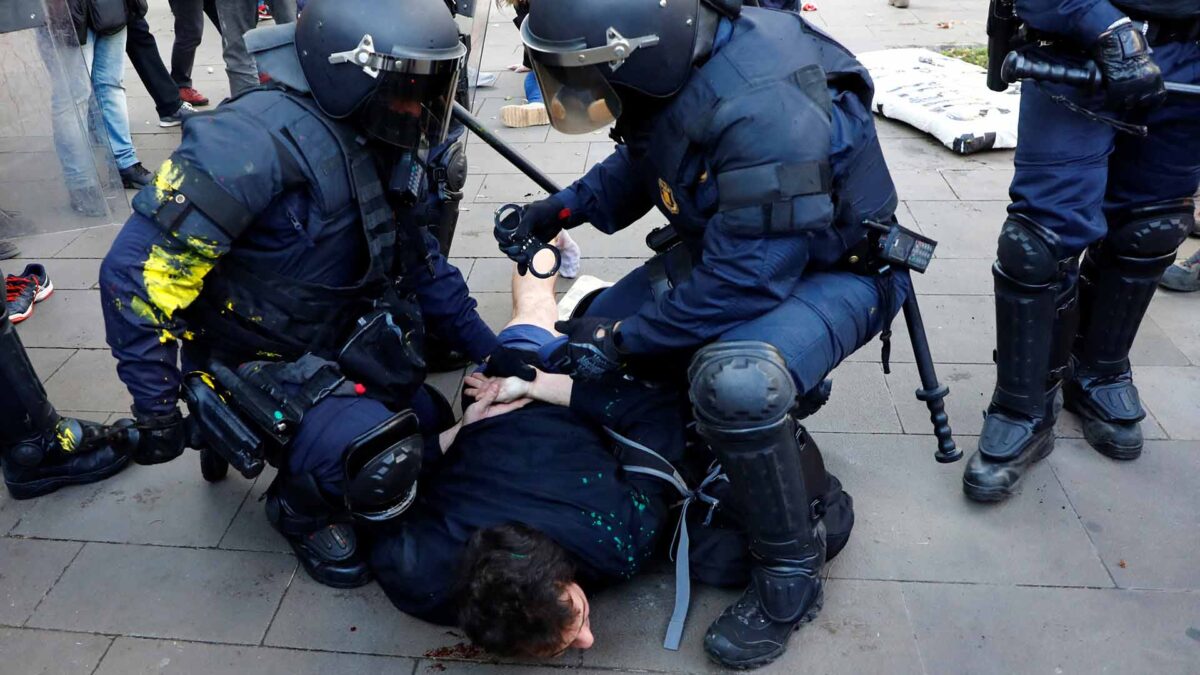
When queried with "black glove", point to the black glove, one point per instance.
{"points": [[1131, 78], [591, 350], [544, 219], [509, 362], [161, 437]]}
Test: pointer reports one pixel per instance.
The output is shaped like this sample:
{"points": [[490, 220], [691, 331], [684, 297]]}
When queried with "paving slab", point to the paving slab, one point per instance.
{"points": [[973, 184], [189, 594], [926, 184], [962, 229], [29, 569], [956, 276], [250, 530], [912, 521], [47, 361], [41, 652], [70, 319], [168, 505], [860, 401], [132, 656], [442, 667], [862, 628], [551, 158], [93, 243], [503, 188], [88, 381], [11, 511], [1173, 394], [361, 620], [971, 387], [973, 629], [1147, 535], [1176, 314]]}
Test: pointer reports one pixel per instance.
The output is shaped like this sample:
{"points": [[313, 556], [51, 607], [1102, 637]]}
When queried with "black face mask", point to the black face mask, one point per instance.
{"points": [[638, 114]]}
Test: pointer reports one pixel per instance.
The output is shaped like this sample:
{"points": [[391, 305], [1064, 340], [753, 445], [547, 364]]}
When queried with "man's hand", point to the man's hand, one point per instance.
{"points": [[509, 362], [508, 389], [591, 350], [1131, 78], [487, 403], [161, 437]]}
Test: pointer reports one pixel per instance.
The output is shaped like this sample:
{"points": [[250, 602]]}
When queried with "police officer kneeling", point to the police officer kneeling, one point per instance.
{"points": [[751, 131], [279, 243]]}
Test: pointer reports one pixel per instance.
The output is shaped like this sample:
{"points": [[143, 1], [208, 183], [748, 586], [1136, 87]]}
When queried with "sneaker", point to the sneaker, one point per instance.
{"points": [[8, 249], [264, 14], [190, 95], [25, 290], [136, 177], [569, 255], [524, 115], [1183, 276], [175, 119], [482, 80]]}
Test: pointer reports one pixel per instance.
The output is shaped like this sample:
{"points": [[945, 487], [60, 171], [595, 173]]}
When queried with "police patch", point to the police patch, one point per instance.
{"points": [[668, 197]]}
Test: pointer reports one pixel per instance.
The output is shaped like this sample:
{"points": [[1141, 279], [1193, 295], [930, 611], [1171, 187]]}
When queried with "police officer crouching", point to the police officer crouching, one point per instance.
{"points": [[751, 132], [281, 246]]}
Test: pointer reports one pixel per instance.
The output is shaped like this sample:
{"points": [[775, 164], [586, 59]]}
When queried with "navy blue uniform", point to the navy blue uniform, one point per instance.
{"points": [[1070, 170], [766, 168], [161, 286]]}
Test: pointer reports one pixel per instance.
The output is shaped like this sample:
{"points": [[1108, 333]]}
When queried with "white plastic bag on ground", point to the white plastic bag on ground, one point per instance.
{"points": [[944, 97]]}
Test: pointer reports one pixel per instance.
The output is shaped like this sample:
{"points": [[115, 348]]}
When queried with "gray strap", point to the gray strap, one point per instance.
{"points": [[683, 584]]}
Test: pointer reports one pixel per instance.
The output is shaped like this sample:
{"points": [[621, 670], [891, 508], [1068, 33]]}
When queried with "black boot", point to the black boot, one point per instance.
{"points": [[42, 452], [1034, 328], [743, 396], [320, 533], [1114, 293]]}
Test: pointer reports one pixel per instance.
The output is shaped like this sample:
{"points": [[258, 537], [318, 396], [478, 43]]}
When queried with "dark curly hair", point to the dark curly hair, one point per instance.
{"points": [[510, 590]]}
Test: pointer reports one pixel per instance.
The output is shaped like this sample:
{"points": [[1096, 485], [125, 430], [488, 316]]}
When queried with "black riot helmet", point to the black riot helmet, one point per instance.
{"points": [[581, 50], [392, 64]]}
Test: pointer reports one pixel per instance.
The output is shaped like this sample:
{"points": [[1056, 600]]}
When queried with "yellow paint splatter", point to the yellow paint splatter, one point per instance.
{"points": [[173, 280], [167, 180], [66, 437]]}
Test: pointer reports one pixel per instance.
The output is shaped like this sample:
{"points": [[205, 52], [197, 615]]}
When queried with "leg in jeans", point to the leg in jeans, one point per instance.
{"points": [[108, 63], [283, 11], [533, 93], [143, 54], [71, 90], [237, 17], [189, 30]]}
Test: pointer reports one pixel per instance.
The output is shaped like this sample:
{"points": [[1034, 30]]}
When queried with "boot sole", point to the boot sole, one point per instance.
{"points": [[1121, 453], [758, 662], [45, 486], [991, 495], [273, 517]]}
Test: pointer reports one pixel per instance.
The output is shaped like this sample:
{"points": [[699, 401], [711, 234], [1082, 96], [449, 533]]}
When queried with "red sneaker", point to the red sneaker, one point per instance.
{"points": [[264, 14], [22, 292], [190, 95]]}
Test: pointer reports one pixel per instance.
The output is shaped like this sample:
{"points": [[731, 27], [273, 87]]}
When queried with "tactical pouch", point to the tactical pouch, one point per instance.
{"points": [[385, 354]]}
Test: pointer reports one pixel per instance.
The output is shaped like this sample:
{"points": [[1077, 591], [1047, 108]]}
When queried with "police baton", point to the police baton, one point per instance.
{"points": [[1018, 66], [506, 151]]}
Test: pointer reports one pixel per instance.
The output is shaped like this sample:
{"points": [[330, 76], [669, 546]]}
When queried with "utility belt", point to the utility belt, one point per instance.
{"points": [[250, 415]]}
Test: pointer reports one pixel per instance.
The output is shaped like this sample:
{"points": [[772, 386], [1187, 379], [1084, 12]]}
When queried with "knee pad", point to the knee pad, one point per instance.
{"points": [[1150, 230], [740, 385], [1027, 252], [382, 466]]}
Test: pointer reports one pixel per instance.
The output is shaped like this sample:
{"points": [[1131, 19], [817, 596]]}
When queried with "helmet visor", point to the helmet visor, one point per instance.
{"points": [[413, 100], [579, 100]]}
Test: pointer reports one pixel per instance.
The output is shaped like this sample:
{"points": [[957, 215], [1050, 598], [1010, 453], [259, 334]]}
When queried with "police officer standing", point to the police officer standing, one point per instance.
{"points": [[1106, 176], [283, 234], [751, 131]]}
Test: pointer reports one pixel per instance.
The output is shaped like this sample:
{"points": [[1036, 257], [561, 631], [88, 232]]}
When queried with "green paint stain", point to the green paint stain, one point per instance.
{"points": [[585, 482]]}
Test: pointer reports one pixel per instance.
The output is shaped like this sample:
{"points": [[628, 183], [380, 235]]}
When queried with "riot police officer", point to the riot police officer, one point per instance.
{"points": [[281, 239], [751, 131], [1111, 173]]}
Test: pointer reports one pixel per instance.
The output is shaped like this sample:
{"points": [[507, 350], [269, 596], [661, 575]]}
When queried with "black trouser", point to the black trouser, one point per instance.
{"points": [[189, 29], [143, 54]]}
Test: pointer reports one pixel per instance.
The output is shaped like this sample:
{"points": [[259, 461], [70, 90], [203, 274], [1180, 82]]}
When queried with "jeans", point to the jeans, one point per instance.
{"points": [[237, 17], [189, 30], [104, 57], [143, 54], [533, 93]]}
